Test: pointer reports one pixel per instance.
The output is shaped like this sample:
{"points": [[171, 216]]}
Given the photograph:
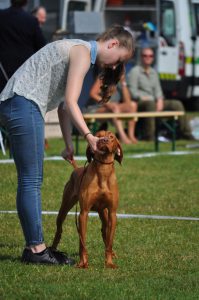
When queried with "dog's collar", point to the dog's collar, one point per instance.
{"points": [[102, 162]]}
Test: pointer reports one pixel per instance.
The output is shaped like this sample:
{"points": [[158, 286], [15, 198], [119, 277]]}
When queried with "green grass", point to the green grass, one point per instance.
{"points": [[157, 259]]}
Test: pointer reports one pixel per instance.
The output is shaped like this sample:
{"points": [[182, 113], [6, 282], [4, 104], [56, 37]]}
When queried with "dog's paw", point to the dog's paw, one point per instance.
{"points": [[111, 266], [82, 265], [114, 255]]}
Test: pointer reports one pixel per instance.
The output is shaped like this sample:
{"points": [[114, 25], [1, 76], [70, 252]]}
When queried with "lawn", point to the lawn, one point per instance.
{"points": [[157, 259]]}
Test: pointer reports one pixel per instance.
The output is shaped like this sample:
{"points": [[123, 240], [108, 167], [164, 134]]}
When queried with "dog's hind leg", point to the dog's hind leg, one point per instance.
{"points": [[68, 201]]}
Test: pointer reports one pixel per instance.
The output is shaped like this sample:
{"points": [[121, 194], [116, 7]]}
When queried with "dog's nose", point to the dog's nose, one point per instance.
{"points": [[105, 140]]}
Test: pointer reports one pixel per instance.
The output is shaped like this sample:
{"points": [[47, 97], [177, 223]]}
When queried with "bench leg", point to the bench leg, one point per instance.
{"points": [[156, 141], [173, 134], [172, 129]]}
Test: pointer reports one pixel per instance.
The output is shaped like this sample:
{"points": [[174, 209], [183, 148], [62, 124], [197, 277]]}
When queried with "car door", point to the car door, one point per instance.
{"points": [[167, 56], [196, 48]]}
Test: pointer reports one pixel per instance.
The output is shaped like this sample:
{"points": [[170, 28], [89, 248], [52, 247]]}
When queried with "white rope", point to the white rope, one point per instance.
{"points": [[83, 158], [120, 216]]}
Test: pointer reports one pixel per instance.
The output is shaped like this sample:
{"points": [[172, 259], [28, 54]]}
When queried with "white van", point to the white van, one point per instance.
{"points": [[178, 49], [176, 41]]}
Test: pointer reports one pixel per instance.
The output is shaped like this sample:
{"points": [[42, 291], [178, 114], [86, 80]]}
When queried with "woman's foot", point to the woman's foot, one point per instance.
{"points": [[37, 248], [47, 256], [125, 141]]}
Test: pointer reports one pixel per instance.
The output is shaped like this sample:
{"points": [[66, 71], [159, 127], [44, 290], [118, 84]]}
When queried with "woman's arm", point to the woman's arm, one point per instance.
{"points": [[132, 80], [78, 67], [66, 129]]}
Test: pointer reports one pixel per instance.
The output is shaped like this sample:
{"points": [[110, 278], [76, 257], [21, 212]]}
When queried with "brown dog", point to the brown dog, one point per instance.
{"points": [[95, 186]]}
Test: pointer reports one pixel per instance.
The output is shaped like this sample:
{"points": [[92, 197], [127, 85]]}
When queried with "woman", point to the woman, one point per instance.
{"points": [[119, 102], [57, 70]]}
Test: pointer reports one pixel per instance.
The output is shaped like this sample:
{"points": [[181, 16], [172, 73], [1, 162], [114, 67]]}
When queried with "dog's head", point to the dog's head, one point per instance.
{"points": [[109, 144]]}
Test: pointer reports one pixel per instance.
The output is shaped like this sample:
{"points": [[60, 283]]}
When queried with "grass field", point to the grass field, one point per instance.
{"points": [[157, 259]]}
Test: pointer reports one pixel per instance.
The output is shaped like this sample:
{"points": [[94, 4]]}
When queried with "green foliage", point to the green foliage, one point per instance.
{"points": [[157, 259]]}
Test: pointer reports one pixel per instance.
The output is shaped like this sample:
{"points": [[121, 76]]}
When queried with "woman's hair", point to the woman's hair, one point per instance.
{"points": [[122, 35], [19, 3], [109, 76]]}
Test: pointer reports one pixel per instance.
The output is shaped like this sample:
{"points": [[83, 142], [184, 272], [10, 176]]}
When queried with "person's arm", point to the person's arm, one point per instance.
{"points": [[66, 129], [159, 104], [158, 94], [39, 40], [95, 90], [126, 96], [79, 66], [132, 80]]}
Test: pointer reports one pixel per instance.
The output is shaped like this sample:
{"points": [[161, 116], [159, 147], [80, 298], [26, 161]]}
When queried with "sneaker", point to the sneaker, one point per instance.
{"points": [[61, 256], [46, 257]]}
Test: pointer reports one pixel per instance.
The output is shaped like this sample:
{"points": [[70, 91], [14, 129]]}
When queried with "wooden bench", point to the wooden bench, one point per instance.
{"points": [[92, 118]]}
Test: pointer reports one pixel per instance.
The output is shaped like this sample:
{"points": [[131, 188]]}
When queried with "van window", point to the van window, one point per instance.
{"points": [[168, 22], [196, 9]]}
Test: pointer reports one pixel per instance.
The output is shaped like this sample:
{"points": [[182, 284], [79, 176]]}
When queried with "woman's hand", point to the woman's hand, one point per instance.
{"points": [[93, 140], [68, 154]]}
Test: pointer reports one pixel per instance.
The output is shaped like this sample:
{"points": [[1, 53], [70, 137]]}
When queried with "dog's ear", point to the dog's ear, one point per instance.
{"points": [[119, 152], [89, 154]]}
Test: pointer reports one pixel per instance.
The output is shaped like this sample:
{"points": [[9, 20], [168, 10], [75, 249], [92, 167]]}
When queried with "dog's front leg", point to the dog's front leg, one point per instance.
{"points": [[83, 217], [109, 243], [103, 214]]}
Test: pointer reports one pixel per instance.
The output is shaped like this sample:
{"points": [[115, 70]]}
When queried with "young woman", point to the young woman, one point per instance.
{"points": [[119, 102], [57, 70]]}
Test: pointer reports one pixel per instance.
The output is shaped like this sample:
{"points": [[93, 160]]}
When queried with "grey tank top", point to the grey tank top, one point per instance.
{"points": [[42, 78]]}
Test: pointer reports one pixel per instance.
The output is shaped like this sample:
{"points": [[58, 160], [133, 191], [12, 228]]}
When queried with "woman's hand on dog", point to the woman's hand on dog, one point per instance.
{"points": [[93, 141], [68, 152]]}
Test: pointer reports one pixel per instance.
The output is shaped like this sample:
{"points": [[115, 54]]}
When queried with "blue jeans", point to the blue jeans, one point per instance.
{"points": [[25, 125]]}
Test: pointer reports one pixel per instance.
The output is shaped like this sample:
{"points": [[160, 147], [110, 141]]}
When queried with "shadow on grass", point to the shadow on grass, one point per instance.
{"points": [[10, 258]]}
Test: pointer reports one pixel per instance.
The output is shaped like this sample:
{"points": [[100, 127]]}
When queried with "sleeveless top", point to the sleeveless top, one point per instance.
{"points": [[42, 78]]}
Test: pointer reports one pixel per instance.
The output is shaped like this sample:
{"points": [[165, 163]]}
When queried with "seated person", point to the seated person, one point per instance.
{"points": [[144, 86], [116, 106]]}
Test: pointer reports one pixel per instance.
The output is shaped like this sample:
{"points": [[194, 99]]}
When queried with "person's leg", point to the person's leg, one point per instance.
{"points": [[184, 127], [26, 131], [148, 123], [25, 126], [131, 108], [122, 135], [115, 108]]}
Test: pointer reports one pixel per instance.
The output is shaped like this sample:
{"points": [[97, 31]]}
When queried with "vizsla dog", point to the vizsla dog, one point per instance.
{"points": [[95, 187]]}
